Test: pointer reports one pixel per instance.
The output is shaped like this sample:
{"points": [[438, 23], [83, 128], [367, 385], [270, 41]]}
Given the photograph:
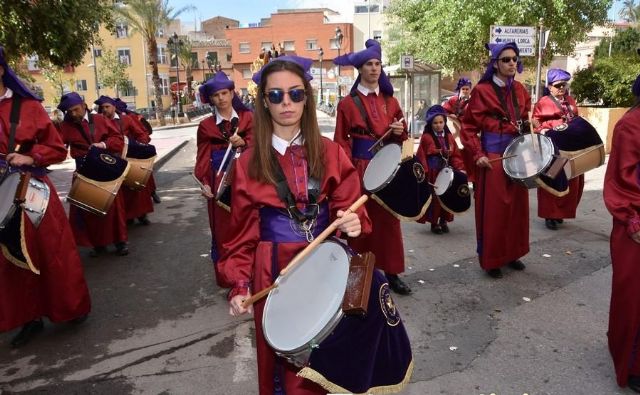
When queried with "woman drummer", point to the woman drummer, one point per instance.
{"points": [[553, 110], [264, 235], [438, 149]]}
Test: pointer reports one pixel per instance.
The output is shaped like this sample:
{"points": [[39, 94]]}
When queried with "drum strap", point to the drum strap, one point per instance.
{"points": [[14, 119], [227, 133], [92, 127], [363, 112], [503, 102], [564, 110]]}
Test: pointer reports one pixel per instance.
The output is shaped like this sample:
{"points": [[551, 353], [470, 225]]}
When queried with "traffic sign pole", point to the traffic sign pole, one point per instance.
{"points": [[541, 45]]}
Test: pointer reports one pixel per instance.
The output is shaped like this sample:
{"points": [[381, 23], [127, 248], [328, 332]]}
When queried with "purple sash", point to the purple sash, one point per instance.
{"points": [[216, 158], [496, 143], [277, 226], [35, 171], [435, 162], [360, 148]]}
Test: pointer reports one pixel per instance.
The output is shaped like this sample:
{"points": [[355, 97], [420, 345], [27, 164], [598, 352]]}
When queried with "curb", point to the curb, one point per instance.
{"points": [[160, 162]]}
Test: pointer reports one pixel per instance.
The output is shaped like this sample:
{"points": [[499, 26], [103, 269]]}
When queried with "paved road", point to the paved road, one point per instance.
{"points": [[160, 325]]}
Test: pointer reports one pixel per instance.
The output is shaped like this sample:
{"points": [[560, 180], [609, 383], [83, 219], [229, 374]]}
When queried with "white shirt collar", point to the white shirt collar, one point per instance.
{"points": [[281, 144], [219, 118], [116, 116], [365, 91], [498, 81], [8, 94]]}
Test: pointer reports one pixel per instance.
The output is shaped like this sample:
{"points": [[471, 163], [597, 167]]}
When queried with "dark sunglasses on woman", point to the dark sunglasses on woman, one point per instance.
{"points": [[559, 85], [276, 96]]}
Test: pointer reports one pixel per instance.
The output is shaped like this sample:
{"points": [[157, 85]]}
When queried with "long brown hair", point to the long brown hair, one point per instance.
{"points": [[262, 163]]}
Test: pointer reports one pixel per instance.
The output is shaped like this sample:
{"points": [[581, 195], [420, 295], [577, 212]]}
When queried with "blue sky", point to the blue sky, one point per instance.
{"points": [[248, 11]]}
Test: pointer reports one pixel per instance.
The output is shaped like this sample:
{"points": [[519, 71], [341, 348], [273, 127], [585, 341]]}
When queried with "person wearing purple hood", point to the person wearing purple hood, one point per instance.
{"points": [[622, 198], [362, 118], [497, 112], [41, 274], [232, 124]]}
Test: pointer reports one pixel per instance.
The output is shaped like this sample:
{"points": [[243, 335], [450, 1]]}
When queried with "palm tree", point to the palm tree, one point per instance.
{"points": [[148, 17], [185, 59], [629, 11]]}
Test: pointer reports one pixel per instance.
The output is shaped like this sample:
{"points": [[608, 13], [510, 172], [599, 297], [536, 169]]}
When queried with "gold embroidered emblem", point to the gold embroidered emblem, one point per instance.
{"points": [[418, 172], [388, 306], [463, 190], [108, 159]]}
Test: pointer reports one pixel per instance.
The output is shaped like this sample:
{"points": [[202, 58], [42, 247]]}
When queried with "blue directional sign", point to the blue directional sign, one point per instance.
{"points": [[524, 36]]}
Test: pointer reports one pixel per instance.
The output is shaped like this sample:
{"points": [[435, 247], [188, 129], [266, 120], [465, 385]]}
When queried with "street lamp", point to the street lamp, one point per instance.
{"points": [[339, 38], [320, 53], [176, 44]]}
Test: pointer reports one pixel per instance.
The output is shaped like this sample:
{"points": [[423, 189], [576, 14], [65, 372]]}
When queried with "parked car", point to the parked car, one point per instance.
{"points": [[147, 112]]}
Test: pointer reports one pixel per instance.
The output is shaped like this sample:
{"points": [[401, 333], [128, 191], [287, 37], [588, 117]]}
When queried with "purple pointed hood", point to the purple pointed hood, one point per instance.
{"points": [[463, 82], [69, 100], [555, 75], [496, 50], [11, 80], [105, 100], [433, 112], [636, 87], [218, 82], [373, 50]]}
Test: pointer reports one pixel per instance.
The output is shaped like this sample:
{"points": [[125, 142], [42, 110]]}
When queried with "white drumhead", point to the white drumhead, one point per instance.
{"points": [[382, 167], [307, 298], [7, 195], [530, 160], [443, 181]]}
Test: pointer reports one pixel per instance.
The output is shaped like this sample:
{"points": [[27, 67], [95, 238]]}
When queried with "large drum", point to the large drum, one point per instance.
{"points": [[452, 190], [304, 323], [580, 144], [97, 180], [529, 156], [141, 158], [398, 184], [34, 202]]}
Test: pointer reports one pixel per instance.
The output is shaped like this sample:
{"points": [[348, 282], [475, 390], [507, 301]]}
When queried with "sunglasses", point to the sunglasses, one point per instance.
{"points": [[276, 96], [508, 59], [559, 85]]}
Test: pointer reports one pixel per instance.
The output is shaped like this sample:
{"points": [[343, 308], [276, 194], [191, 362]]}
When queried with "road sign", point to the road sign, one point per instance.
{"points": [[406, 62], [523, 36], [345, 80]]}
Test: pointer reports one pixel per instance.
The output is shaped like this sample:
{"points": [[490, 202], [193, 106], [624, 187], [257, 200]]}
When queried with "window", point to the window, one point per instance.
{"points": [[228, 57], [122, 30], [97, 52], [246, 74], [212, 58], [311, 45], [245, 48], [124, 56], [81, 85], [333, 43], [366, 8], [360, 9], [194, 60], [377, 34], [289, 46], [128, 89], [164, 84], [161, 32], [266, 45], [32, 63], [162, 54]]}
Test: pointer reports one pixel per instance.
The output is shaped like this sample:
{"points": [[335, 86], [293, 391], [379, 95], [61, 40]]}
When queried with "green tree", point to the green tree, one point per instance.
{"points": [[606, 82], [57, 77], [624, 42], [185, 59], [59, 32], [629, 11], [452, 33], [148, 17], [112, 73]]}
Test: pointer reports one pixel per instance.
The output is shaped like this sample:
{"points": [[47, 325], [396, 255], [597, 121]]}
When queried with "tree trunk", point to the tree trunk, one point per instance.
{"points": [[152, 45]]}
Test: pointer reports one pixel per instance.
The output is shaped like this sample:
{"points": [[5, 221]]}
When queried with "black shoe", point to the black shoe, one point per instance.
{"points": [[560, 220], [437, 229], [97, 251], [551, 224], [398, 286], [634, 383], [79, 320], [517, 265], [144, 220], [122, 249], [494, 273], [444, 227], [28, 332], [155, 197]]}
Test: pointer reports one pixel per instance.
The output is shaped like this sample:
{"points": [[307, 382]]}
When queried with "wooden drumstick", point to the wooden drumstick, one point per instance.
{"points": [[384, 136], [502, 158], [307, 250], [200, 184]]}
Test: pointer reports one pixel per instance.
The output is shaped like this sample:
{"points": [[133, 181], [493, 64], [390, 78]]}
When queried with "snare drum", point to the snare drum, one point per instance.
{"points": [[35, 203], [141, 158], [97, 181], [452, 190], [400, 186], [530, 160]]}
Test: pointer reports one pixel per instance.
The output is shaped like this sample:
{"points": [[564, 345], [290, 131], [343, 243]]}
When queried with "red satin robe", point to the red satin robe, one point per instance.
{"points": [[501, 205], [550, 206], [622, 198], [385, 241], [209, 138], [427, 149], [246, 258], [455, 107], [136, 203], [59, 292], [91, 230]]}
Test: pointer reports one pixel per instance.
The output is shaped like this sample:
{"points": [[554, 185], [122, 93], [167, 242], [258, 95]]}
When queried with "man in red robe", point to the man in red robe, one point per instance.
{"points": [[550, 111], [59, 292], [80, 130], [137, 204], [498, 108], [231, 125], [622, 198], [373, 94]]}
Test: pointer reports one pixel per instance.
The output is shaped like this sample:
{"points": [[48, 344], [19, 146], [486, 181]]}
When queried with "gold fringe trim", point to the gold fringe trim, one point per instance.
{"points": [[552, 191], [28, 265], [447, 209], [401, 217], [318, 378]]}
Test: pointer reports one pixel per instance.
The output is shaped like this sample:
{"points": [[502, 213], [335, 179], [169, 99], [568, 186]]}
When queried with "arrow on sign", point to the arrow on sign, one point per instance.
{"points": [[498, 30]]}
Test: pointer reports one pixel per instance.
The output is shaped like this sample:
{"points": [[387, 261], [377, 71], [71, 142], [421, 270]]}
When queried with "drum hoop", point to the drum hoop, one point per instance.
{"points": [[13, 207], [515, 141], [391, 176], [450, 181]]}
